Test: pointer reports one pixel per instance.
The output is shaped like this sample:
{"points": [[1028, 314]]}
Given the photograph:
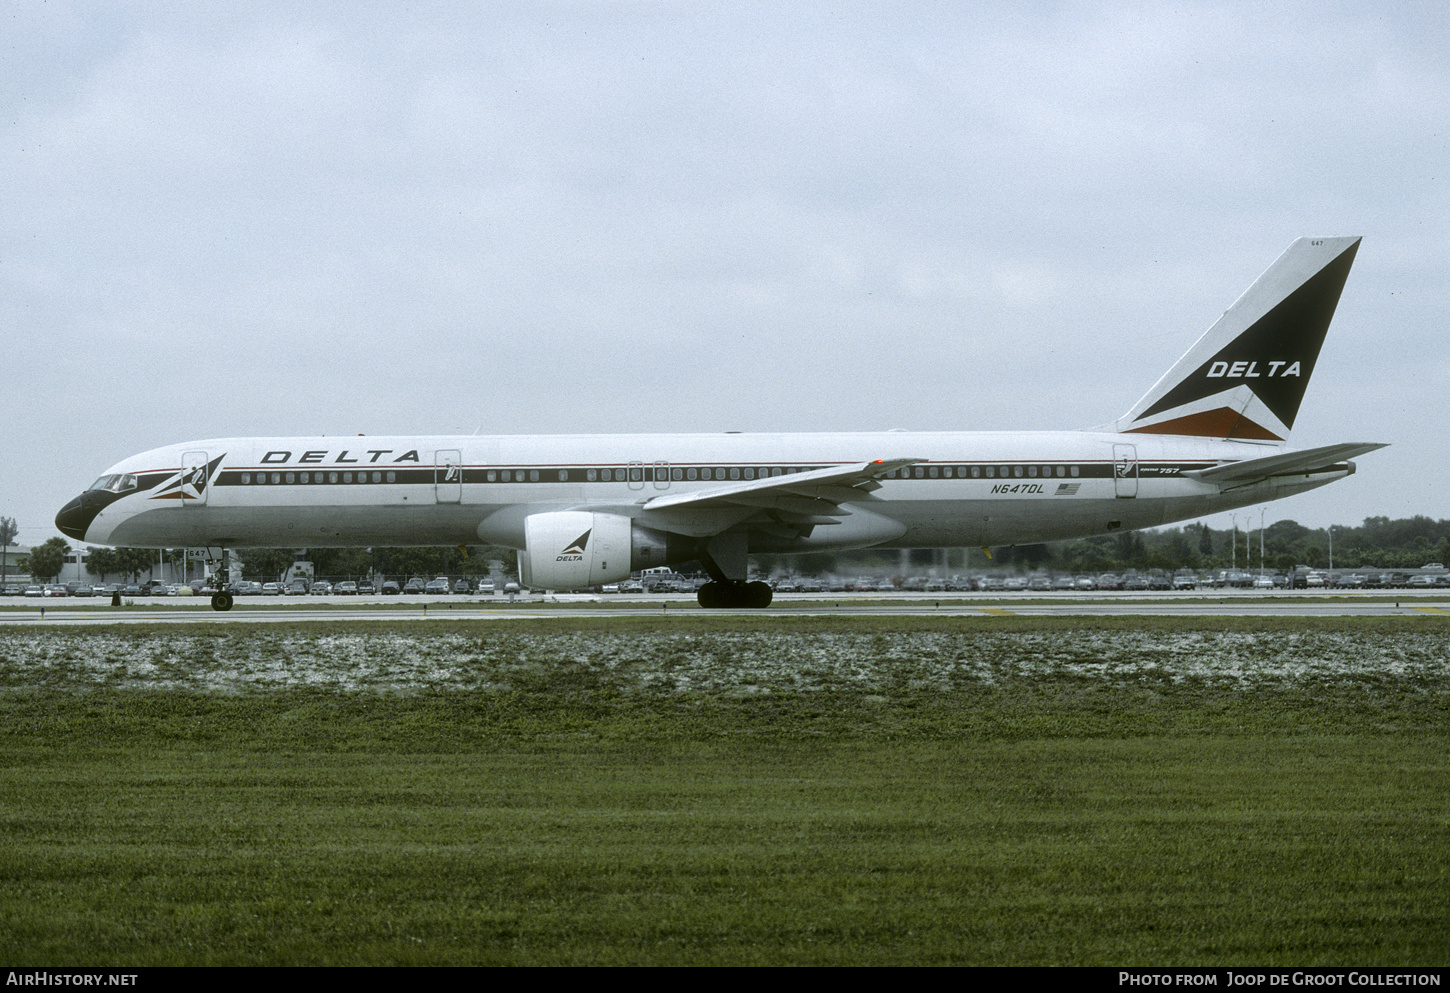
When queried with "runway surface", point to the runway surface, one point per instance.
{"points": [[161, 610]]}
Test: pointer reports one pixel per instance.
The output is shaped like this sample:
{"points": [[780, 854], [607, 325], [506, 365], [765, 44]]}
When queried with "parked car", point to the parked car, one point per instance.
{"points": [[34, 591], [461, 587], [391, 588], [485, 588], [321, 588], [345, 589], [437, 587], [415, 585], [272, 589]]}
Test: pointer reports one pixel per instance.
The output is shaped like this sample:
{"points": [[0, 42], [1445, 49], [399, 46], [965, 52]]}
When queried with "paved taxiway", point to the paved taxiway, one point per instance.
{"points": [[162, 610]]}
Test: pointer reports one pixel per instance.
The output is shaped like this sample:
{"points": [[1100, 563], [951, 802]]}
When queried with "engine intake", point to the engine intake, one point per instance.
{"points": [[570, 549]]}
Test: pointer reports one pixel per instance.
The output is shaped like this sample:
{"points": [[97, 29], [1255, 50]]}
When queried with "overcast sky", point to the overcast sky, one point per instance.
{"points": [[301, 218]]}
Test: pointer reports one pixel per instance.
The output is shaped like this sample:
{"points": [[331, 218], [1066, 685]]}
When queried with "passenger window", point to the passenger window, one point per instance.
{"points": [[346, 477], [332, 477], [1017, 471], [393, 476], [977, 471], [246, 479], [534, 475], [291, 478], [1074, 470], [563, 475], [276, 478], [1031, 471]]}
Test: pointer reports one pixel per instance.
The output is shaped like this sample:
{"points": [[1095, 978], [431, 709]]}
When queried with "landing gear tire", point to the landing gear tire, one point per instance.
{"points": [[221, 601], [720, 595], [758, 594]]}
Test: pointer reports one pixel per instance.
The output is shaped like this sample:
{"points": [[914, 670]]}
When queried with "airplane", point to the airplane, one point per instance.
{"points": [[583, 510]]}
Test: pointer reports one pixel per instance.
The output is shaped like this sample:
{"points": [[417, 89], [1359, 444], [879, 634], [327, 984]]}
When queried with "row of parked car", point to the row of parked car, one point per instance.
{"points": [[441, 586], [297, 587]]}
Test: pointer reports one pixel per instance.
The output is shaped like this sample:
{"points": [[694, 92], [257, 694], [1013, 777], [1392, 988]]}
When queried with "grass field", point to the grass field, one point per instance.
{"points": [[728, 791]]}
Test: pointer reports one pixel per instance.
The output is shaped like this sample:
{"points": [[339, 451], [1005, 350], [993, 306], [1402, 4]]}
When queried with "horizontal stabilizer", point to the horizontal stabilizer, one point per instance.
{"points": [[1287, 464]]}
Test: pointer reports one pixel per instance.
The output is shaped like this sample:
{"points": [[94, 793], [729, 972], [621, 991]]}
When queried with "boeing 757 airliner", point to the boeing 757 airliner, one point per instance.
{"points": [[583, 510]]}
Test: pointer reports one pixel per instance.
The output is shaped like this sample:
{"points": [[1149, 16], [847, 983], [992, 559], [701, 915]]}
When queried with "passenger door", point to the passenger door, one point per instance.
{"points": [[448, 475], [1125, 471]]}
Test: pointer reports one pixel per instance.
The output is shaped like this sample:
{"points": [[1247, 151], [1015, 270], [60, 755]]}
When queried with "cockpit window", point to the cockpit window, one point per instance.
{"points": [[117, 483]]}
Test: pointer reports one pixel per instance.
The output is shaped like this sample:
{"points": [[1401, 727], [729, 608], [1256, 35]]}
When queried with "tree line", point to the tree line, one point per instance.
{"points": [[1378, 543]]}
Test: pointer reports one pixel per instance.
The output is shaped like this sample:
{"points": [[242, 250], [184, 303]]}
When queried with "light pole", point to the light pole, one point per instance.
{"points": [[1233, 555], [1331, 548], [1261, 542]]}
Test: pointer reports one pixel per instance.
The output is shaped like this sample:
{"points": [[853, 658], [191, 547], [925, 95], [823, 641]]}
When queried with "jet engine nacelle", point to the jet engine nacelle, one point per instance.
{"points": [[569, 549]]}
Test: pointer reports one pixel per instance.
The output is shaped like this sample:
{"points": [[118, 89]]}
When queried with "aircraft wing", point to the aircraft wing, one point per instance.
{"points": [[816, 493], [1287, 464]]}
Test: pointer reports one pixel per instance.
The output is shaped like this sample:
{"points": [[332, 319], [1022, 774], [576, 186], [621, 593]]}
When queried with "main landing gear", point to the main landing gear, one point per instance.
{"points": [[734, 594], [722, 557]]}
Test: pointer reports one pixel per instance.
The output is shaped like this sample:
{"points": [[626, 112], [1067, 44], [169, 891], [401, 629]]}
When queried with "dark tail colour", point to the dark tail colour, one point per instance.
{"points": [[1244, 379]]}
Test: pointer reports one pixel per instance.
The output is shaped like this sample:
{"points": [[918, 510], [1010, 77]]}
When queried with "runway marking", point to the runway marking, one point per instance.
{"points": [[1432, 610], [999, 611]]}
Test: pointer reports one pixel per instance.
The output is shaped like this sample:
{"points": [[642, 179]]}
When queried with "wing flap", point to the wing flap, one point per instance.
{"points": [[820, 489]]}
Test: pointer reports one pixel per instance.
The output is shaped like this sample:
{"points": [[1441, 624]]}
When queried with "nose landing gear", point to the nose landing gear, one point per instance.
{"points": [[221, 599]]}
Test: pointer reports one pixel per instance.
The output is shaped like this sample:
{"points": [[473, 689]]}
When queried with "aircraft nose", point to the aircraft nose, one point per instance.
{"points": [[75, 517]]}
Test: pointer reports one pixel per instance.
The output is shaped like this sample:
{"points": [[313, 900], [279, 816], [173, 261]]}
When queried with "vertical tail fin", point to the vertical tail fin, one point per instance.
{"points": [[1244, 379]]}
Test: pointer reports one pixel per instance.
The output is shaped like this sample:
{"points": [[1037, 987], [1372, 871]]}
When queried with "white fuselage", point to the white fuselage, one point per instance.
{"points": [[971, 489]]}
